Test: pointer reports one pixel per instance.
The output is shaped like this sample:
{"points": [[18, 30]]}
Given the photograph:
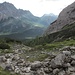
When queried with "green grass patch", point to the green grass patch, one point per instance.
{"points": [[39, 57], [4, 51], [51, 46]]}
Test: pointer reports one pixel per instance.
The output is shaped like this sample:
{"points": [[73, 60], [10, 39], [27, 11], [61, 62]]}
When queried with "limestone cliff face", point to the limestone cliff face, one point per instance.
{"points": [[67, 16]]}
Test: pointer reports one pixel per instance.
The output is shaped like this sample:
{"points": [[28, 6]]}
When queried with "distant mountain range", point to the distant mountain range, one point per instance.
{"points": [[47, 19], [20, 24]]}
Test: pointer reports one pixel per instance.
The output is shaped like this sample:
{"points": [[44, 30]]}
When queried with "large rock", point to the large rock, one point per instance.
{"points": [[73, 57], [17, 69], [58, 61], [72, 48], [25, 69], [56, 71], [67, 53], [62, 73], [47, 70], [73, 63], [36, 65], [71, 69], [73, 74], [2, 59], [66, 65], [67, 56], [9, 67], [65, 48]]}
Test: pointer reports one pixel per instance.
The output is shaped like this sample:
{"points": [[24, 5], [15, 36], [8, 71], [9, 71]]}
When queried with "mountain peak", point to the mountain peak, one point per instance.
{"points": [[51, 14], [9, 10], [7, 4]]}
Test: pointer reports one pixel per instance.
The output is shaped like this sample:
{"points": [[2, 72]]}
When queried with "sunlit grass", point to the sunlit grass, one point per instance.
{"points": [[51, 46]]}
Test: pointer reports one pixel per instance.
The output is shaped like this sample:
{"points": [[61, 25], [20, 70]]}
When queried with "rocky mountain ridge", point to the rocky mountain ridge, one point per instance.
{"points": [[9, 10], [66, 17]]}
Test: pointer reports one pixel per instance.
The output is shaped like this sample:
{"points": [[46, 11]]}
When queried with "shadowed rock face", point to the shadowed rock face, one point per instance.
{"points": [[67, 16]]}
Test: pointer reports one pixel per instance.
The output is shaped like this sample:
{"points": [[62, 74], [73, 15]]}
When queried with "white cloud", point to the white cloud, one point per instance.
{"points": [[40, 7]]}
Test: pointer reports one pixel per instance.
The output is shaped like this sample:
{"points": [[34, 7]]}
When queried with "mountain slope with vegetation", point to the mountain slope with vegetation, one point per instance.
{"points": [[20, 22], [67, 32]]}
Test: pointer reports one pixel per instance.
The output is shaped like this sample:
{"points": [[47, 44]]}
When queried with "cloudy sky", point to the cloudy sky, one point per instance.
{"points": [[40, 7]]}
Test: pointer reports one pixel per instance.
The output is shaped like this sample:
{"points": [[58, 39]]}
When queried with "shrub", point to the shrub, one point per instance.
{"points": [[4, 46]]}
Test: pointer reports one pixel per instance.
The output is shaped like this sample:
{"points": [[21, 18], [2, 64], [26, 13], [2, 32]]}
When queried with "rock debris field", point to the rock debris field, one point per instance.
{"points": [[60, 64]]}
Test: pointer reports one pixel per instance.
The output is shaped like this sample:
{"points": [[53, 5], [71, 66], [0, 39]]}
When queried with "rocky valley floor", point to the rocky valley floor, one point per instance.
{"points": [[24, 60]]}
